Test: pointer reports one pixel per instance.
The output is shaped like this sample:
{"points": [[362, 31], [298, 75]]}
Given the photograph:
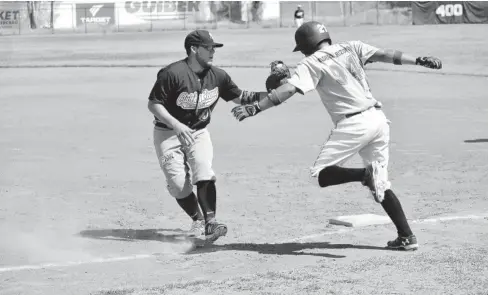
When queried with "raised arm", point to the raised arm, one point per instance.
{"points": [[399, 58]]}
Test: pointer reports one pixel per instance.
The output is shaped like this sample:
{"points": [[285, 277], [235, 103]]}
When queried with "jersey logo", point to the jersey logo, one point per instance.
{"points": [[188, 101]]}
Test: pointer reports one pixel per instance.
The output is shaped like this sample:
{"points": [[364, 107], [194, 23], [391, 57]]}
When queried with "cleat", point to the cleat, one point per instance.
{"points": [[214, 230], [374, 181], [197, 229], [404, 244]]}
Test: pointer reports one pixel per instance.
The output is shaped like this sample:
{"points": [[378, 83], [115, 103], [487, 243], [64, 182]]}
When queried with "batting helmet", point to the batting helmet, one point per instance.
{"points": [[309, 35]]}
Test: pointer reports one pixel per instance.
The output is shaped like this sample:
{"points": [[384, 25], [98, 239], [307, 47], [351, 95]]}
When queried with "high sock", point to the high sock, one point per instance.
{"points": [[394, 209], [207, 198], [334, 175], [190, 206]]}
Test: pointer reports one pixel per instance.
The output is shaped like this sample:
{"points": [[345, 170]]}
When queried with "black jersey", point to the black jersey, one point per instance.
{"points": [[190, 97], [299, 13]]}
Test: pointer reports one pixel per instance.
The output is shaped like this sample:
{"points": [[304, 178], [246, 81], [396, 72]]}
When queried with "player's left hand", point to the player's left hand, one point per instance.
{"points": [[429, 62], [279, 74], [245, 111]]}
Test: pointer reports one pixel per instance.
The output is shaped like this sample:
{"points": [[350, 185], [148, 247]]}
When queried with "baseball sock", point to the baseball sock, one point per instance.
{"points": [[334, 175], [190, 205], [207, 197], [394, 209]]}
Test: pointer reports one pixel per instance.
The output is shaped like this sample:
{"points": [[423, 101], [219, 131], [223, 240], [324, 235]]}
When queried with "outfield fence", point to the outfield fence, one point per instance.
{"points": [[56, 17]]}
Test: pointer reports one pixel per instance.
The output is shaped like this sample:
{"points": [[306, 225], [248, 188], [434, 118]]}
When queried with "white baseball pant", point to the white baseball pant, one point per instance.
{"points": [[367, 134], [184, 167]]}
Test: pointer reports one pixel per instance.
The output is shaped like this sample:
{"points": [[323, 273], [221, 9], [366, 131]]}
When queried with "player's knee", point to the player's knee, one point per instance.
{"points": [[207, 176], [180, 192], [323, 177], [179, 187]]}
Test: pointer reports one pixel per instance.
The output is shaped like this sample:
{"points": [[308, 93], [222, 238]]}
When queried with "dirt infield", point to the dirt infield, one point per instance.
{"points": [[84, 208]]}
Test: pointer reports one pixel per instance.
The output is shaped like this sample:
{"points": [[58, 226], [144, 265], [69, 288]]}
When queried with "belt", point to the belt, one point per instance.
{"points": [[161, 125], [357, 113]]}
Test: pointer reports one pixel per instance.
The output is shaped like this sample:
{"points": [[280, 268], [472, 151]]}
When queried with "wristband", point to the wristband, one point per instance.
{"points": [[397, 57]]}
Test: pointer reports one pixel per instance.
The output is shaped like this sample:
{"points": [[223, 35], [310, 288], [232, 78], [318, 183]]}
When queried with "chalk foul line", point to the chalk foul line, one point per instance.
{"points": [[74, 263], [146, 256]]}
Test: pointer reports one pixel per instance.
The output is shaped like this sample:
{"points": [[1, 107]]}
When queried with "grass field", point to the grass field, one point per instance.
{"points": [[84, 209]]}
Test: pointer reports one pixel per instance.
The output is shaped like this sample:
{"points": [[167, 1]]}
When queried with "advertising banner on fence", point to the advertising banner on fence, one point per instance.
{"points": [[13, 17], [138, 12], [449, 12], [95, 13]]}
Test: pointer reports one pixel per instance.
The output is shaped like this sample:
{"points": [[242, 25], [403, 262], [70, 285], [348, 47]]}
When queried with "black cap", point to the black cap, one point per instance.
{"points": [[200, 37]]}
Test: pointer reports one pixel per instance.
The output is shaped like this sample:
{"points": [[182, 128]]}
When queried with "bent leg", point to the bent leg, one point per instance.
{"points": [[173, 164], [200, 158], [346, 140], [334, 175]]}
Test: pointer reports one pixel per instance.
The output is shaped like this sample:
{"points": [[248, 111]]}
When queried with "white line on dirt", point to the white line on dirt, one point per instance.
{"points": [[74, 263], [338, 231], [145, 256], [448, 218], [428, 220]]}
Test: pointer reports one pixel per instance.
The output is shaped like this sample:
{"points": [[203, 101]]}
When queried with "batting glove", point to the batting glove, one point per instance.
{"points": [[429, 62], [244, 111]]}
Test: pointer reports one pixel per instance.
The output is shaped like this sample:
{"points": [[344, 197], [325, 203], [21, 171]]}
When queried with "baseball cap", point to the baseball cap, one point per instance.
{"points": [[200, 37]]}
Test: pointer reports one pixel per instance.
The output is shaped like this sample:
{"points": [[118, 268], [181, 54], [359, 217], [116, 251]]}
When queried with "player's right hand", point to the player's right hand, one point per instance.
{"points": [[245, 111], [184, 134]]}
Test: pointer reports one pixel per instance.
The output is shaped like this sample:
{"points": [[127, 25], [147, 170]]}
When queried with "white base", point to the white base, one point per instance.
{"points": [[360, 220]]}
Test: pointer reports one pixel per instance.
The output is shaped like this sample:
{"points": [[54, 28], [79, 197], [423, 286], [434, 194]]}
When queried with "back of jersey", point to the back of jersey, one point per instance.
{"points": [[338, 75]]}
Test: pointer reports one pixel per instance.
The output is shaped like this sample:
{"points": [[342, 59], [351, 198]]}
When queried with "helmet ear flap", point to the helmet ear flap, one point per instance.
{"points": [[310, 51]]}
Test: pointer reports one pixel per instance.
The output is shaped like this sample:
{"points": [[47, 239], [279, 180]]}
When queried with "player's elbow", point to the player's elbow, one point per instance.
{"points": [[383, 55], [289, 90], [150, 105]]}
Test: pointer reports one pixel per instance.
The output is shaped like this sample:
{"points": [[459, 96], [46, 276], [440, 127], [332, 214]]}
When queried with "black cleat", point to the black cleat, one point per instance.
{"points": [[214, 230], [404, 244]]}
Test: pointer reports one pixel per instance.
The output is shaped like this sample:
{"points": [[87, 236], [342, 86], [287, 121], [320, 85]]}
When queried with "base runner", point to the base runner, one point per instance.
{"points": [[336, 71]]}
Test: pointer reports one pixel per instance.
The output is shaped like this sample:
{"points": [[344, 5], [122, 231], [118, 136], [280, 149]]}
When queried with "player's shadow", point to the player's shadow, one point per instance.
{"points": [[478, 140], [161, 235], [295, 249]]}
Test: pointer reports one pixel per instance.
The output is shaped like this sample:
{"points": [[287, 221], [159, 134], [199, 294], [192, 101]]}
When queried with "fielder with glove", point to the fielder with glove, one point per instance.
{"points": [[336, 71], [278, 76]]}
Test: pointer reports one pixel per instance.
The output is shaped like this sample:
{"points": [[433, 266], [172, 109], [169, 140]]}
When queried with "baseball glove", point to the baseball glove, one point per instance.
{"points": [[429, 62], [278, 75]]}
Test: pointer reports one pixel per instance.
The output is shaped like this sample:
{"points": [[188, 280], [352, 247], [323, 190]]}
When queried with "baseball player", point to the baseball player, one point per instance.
{"points": [[299, 15], [336, 71], [182, 100]]}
